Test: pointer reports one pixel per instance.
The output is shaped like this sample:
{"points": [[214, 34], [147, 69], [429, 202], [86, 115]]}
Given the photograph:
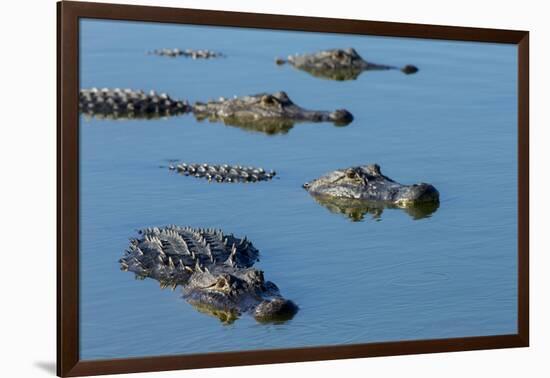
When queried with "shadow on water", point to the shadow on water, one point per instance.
{"points": [[355, 210]]}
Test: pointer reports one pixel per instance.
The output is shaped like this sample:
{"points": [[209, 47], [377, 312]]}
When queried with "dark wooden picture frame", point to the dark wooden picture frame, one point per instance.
{"points": [[69, 13]]}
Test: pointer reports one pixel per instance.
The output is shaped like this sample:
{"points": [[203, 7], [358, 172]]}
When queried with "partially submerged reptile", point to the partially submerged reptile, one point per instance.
{"points": [[367, 183], [214, 270], [338, 64], [222, 172], [265, 111], [129, 104], [269, 113], [189, 53]]}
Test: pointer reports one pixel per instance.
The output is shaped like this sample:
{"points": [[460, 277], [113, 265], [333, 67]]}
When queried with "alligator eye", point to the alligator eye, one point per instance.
{"points": [[351, 174], [221, 283], [339, 54], [268, 100]]}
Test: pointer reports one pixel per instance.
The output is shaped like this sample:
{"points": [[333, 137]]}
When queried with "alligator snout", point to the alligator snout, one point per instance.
{"points": [[275, 310], [409, 69], [341, 117], [417, 193]]}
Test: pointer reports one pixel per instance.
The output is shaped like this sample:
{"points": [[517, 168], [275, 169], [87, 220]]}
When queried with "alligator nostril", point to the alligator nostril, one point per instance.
{"points": [[275, 310], [409, 69], [341, 117], [428, 193]]}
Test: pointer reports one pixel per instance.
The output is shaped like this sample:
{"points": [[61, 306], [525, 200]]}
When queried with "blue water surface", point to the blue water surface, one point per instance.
{"points": [[453, 124]]}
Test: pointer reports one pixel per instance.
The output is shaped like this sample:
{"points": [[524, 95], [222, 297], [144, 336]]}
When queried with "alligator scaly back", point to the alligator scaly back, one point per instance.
{"points": [[222, 172], [188, 53], [172, 254], [128, 104]]}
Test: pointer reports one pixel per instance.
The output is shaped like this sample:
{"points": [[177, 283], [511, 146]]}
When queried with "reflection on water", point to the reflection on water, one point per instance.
{"points": [[224, 316], [356, 209], [338, 74], [268, 126]]}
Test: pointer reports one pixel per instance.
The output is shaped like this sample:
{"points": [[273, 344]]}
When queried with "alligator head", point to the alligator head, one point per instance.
{"points": [[264, 112], [338, 64], [214, 270], [229, 292], [369, 184]]}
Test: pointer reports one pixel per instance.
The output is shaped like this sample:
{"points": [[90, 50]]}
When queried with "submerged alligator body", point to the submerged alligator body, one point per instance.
{"points": [[338, 64], [189, 53], [129, 104], [222, 172], [368, 185], [270, 113], [215, 272]]}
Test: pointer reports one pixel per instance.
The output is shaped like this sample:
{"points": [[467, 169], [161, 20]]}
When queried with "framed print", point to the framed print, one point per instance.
{"points": [[238, 188]]}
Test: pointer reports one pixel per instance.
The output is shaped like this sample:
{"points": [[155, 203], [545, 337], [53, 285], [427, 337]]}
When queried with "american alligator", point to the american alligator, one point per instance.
{"points": [[355, 210], [128, 104], [338, 64], [215, 271], [264, 111], [367, 183], [222, 173], [189, 53]]}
